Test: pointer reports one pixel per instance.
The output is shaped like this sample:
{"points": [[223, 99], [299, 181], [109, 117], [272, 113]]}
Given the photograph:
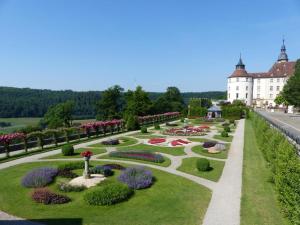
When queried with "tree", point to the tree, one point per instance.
{"points": [[279, 100], [291, 90], [59, 115], [196, 108], [111, 104], [138, 102]]}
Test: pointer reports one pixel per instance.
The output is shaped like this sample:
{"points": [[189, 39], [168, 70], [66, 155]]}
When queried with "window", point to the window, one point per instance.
{"points": [[237, 88], [246, 88], [278, 79], [237, 79], [271, 80], [271, 88], [246, 95], [258, 95], [237, 95], [271, 95], [278, 88]]}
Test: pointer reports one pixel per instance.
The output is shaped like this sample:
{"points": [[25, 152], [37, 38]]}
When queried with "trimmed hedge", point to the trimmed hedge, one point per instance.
{"points": [[285, 166], [203, 164], [67, 150]]}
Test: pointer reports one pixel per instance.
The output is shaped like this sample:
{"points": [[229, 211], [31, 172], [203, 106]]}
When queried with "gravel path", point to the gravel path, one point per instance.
{"points": [[224, 207]]}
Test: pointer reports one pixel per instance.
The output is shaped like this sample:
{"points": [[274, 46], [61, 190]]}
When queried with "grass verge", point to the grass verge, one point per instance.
{"points": [[168, 150]]}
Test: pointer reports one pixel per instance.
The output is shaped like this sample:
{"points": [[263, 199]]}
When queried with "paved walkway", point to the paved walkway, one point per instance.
{"points": [[224, 207]]}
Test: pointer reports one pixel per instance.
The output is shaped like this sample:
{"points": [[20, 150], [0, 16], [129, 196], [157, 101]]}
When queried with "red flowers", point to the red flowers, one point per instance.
{"points": [[158, 117], [156, 140], [87, 154], [179, 142]]}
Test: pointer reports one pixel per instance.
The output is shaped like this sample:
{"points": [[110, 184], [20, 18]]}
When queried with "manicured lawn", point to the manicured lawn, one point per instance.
{"points": [[189, 166], [259, 204], [77, 152], [167, 150], [199, 139], [166, 163], [17, 123], [202, 151], [149, 136], [171, 200], [227, 139], [124, 141], [143, 134]]}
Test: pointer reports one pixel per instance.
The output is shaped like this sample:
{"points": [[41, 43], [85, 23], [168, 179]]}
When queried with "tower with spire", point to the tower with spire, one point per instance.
{"points": [[283, 57]]}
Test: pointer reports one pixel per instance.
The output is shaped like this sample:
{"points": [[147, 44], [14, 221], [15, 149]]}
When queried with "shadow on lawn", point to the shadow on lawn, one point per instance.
{"points": [[63, 221]]}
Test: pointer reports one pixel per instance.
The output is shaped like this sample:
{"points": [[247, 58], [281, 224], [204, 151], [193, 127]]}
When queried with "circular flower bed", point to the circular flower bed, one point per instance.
{"points": [[136, 177]]}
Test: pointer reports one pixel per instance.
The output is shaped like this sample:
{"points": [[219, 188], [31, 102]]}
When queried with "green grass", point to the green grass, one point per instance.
{"points": [[77, 152], [168, 150], [226, 139], [202, 151], [171, 200], [143, 134], [124, 142], [17, 123], [166, 163], [189, 166], [199, 139], [259, 204], [149, 136]]}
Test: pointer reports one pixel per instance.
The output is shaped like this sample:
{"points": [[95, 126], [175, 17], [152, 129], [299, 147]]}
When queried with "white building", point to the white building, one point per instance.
{"points": [[260, 89]]}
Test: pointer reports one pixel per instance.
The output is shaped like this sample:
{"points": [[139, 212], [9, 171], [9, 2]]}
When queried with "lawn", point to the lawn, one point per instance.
{"points": [[199, 139], [124, 141], [202, 151], [259, 204], [143, 134], [77, 152], [17, 123], [226, 139], [149, 136], [189, 166], [166, 163], [168, 150], [168, 201]]}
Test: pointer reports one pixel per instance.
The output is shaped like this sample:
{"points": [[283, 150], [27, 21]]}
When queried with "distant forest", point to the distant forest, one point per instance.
{"points": [[26, 102]]}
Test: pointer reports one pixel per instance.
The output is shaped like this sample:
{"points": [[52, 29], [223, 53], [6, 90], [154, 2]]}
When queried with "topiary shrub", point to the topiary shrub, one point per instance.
{"points": [[136, 177], [203, 164], [224, 134], [227, 129], [67, 150], [144, 130], [108, 194], [209, 144], [104, 170], [66, 187], [156, 126], [66, 173], [39, 177], [45, 196], [71, 166]]}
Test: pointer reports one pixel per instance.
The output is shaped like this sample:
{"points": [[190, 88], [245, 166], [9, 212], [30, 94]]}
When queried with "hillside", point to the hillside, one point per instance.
{"points": [[26, 102]]}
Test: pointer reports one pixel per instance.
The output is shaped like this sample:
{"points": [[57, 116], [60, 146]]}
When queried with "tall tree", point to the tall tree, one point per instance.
{"points": [[291, 90], [111, 103], [60, 115]]}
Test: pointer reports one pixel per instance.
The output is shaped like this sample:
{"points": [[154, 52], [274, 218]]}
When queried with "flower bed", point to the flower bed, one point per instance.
{"points": [[140, 155], [136, 177], [45, 196], [154, 141], [111, 142], [209, 144], [186, 131], [39, 177], [179, 142]]}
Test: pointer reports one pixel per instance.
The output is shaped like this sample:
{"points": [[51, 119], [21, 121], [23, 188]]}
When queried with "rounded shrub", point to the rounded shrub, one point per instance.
{"points": [[224, 134], [203, 164], [156, 126], [67, 150], [104, 170], [108, 194], [227, 129], [144, 130], [45, 196], [136, 177]]}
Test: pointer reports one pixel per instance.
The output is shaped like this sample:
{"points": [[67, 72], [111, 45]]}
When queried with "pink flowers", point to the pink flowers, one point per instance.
{"points": [[186, 131], [86, 154], [158, 117], [179, 142], [7, 138], [154, 141], [103, 125]]}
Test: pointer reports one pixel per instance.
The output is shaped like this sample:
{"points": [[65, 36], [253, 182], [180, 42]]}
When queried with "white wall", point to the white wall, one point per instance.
{"points": [[240, 88]]}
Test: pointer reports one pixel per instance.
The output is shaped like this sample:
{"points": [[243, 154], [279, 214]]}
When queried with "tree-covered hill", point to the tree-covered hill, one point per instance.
{"points": [[26, 102]]}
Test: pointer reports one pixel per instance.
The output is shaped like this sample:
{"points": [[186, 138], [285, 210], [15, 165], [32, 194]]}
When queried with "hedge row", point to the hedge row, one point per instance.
{"points": [[284, 161]]}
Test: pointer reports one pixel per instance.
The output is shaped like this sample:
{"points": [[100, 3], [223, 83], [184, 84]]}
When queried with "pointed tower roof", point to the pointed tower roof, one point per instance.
{"points": [[283, 57], [240, 64], [240, 70]]}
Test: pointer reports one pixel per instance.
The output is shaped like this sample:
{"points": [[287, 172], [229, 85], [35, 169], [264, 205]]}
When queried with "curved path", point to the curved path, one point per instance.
{"points": [[224, 207]]}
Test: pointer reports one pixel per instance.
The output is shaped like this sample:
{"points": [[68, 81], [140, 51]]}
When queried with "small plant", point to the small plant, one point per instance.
{"points": [[66, 173], [67, 150], [86, 154], [224, 134], [227, 129], [65, 187], [225, 124], [182, 120], [45, 196], [104, 170], [203, 164], [136, 177], [209, 144], [71, 166], [39, 177], [156, 126], [108, 194], [231, 121], [144, 130]]}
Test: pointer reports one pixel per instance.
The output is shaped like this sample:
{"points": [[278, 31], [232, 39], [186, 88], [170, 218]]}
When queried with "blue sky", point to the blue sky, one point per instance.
{"points": [[91, 45]]}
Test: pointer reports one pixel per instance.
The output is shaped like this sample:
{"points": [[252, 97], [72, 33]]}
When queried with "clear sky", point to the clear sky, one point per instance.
{"points": [[91, 45]]}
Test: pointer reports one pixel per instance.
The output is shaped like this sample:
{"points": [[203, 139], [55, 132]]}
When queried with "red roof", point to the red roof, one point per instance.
{"points": [[279, 69]]}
